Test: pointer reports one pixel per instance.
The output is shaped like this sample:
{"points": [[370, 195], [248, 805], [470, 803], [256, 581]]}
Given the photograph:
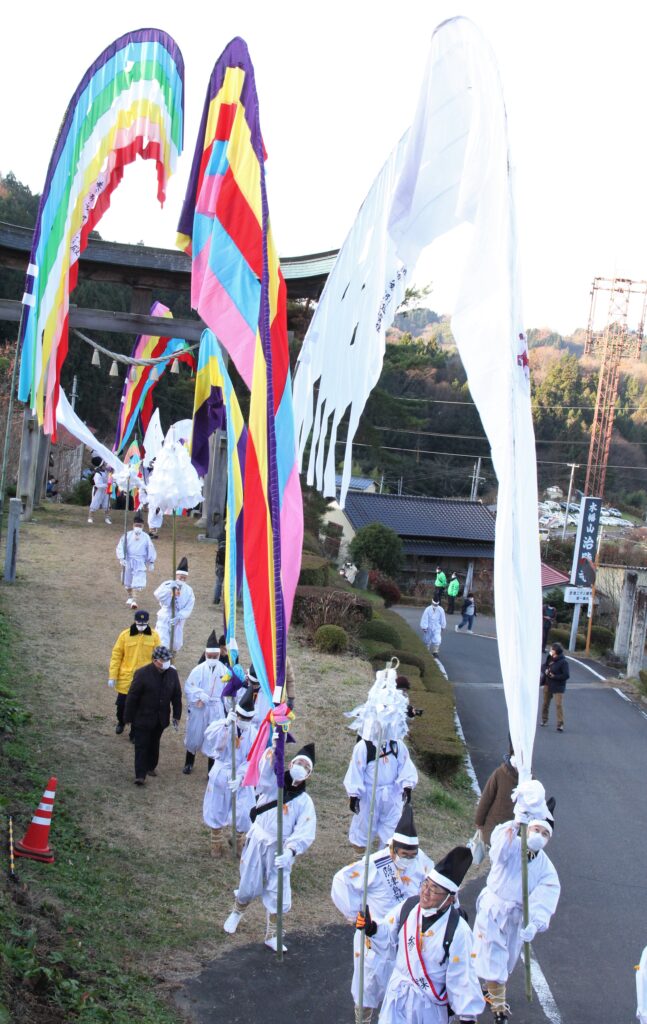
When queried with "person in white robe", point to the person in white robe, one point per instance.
{"points": [[260, 862], [641, 988], [397, 777], [136, 553], [432, 623], [221, 783], [203, 694], [498, 929], [176, 600], [100, 498], [434, 978], [394, 873]]}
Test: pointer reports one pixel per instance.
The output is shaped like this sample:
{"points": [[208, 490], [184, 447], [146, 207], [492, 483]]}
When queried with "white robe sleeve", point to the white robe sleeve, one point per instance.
{"points": [[463, 987], [424, 621], [502, 847], [407, 771], [151, 553], [163, 593], [348, 889], [216, 738], [355, 777], [305, 827], [193, 688], [443, 619], [544, 897], [120, 548], [641, 988], [187, 603]]}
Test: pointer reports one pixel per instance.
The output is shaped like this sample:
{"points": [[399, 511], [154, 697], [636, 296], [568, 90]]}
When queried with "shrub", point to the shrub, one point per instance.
{"points": [[314, 570], [378, 630], [601, 637], [378, 658], [385, 587], [378, 546], [311, 543], [331, 639], [642, 682], [82, 493], [323, 606]]}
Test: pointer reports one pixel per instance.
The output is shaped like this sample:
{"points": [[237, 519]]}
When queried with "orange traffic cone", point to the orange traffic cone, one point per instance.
{"points": [[35, 845]]}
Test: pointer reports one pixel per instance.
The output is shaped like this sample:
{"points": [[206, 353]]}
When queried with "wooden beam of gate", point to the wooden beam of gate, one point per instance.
{"points": [[117, 323]]}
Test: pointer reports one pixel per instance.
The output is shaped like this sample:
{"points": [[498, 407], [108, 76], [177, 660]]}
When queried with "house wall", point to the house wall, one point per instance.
{"points": [[336, 515]]}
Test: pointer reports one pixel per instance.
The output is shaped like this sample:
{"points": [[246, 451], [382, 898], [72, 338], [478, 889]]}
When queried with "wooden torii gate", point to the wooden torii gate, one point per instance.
{"points": [[143, 268]]}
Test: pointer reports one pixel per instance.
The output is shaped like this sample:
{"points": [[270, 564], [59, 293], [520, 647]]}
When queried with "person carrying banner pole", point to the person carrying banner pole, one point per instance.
{"points": [[359, 1012]]}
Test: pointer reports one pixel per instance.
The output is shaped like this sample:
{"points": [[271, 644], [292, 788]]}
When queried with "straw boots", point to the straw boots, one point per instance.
{"points": [[219, 844], [496, 1000], [270, 933], [359, 850], [363, 1016], [240, 842]]}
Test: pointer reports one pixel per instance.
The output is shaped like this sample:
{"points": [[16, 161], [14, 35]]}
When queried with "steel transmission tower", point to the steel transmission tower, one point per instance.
{"points": [[613, 343]]}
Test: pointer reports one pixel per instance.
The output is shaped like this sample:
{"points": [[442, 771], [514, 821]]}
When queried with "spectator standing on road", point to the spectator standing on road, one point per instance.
{"points": [[154, 690], [553, 679], [549, 614], [495, 805], [440, 584], [468, 613], [452, 593], [432, 623]]}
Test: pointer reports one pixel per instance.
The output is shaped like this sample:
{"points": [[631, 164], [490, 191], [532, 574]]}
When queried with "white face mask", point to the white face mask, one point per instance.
{"points": [[211, 660], [141, 626], [406, 864], [298, 773], [243, 724], [137, 530], [536, 841], [165, 665]]}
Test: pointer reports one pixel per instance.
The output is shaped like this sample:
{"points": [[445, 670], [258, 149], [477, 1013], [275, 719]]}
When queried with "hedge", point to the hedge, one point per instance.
{"points": [[314, 570], [376, 629], [331, 639], [438, 749], [601, 637]]}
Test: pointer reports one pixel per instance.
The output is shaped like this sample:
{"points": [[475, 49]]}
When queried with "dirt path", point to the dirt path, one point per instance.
{"points": [[69, 607]]}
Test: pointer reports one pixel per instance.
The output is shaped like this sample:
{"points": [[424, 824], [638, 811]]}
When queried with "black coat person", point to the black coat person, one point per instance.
{"points": [[553, 679], [154, 691]]}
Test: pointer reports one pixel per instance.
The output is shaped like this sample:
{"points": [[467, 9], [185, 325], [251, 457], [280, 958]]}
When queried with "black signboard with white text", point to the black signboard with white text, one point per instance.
{"points": [[586, 543]]}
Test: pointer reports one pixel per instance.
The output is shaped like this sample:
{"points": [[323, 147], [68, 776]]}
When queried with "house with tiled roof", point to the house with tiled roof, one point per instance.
{"points": [[450, 532]]}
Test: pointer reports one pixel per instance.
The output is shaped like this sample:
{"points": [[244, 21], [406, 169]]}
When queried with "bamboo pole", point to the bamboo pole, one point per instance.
{"points": [[7, 438], [233, 776], [172, 633], [524, 892], [279, 752], [367, 857], [123, 571]]}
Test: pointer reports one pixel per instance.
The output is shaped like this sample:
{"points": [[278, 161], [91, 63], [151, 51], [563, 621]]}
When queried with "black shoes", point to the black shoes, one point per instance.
{"points": [[140, 782], [119, 728], [188, 768], [151, 771]]}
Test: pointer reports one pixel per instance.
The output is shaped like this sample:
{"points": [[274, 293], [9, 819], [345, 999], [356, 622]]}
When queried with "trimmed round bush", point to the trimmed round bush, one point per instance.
{"points": [[331, 639], [382, 631]]}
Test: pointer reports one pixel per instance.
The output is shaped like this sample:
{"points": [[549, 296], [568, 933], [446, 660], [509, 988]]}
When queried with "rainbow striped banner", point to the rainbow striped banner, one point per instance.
{"points": [[137, 395], [214, 394], [128, 103], [238, 289]]}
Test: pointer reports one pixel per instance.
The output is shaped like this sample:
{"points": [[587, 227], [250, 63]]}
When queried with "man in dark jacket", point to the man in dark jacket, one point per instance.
{"points": [[495, 804], [155, 689], [553, 679]]}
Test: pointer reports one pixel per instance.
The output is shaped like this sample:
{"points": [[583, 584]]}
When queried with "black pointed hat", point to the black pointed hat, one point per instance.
{"points": [[307, 751], [96, 461], [222, 639], [405, 836], [245, 707], [138, 518], [251, 674], [183, 565], [212, 643], [451, 870]]}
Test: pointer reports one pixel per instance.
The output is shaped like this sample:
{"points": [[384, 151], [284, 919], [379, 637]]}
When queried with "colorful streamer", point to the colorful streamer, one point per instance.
{"points": [[137, 396], [216, 407], [238, 289], [128, 103]]}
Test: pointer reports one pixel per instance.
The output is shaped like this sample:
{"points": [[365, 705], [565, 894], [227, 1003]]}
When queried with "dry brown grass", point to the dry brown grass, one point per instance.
{"points": [[69, 607]]}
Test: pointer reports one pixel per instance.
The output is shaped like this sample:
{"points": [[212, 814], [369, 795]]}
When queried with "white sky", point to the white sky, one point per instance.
{"points": [[338, 84]]}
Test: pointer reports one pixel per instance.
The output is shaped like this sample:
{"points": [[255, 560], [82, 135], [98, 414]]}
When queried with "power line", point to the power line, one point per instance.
{"points": [[473, 437], [452, 401]]}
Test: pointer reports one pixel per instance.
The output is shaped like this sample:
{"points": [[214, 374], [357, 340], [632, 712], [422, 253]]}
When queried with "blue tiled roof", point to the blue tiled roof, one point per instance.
{"points": [[357, 483], [422, 518]]}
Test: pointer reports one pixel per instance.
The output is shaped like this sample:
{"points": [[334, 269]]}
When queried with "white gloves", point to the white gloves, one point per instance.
{"points": [[111, 683], [231, 717], [174, 621], [284, 860], [234, 784], [122, 563], [150, 566], [528, 933]]}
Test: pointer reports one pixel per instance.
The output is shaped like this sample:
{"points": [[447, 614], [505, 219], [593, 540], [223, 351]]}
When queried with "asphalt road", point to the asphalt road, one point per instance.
{"points": [[597, 770]]}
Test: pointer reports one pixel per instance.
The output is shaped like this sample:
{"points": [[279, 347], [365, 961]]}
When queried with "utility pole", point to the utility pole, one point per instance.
{"points": [[573, 466], [476, 479]]}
